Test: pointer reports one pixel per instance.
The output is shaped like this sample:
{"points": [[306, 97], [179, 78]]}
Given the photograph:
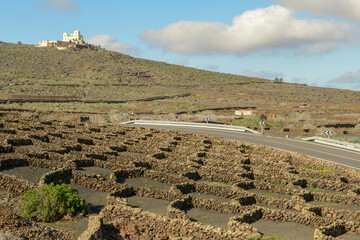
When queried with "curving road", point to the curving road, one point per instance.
{"points": [[336, 155]]}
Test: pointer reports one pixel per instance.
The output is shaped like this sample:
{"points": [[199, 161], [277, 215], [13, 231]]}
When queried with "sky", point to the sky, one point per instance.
{"points": [[314, 42]]}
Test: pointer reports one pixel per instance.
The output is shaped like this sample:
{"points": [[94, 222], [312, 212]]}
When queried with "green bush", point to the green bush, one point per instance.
{"points": [[51, 202], [248, 121]]}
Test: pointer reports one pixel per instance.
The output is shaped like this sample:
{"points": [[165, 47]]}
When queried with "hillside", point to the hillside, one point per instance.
{"points": [[97, 80], [26, 64], [50, 65]]}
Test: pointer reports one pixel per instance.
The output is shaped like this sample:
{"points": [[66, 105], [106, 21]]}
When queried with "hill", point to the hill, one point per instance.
{"points": [[26, 64], [97, 80]]}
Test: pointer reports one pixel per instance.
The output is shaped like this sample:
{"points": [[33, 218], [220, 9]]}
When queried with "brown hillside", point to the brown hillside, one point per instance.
{"points": [[101, 81]]}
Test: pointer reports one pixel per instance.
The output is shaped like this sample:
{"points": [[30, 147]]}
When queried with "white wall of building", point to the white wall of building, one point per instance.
{"points": [[47, 43], [75, 37]]}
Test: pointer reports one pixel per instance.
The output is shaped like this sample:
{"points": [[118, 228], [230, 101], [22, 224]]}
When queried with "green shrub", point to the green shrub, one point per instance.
{"points": [[283, 184], [51, 202], [269, 195], [248, 121]]}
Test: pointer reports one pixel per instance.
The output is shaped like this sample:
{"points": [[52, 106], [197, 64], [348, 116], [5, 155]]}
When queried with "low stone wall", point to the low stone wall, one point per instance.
{"points": [[182, 188], [340, 214], [243, 221], [95, 229], [329, 232], [165, 178], [250, 216], [141, 224], [309, 216], [354, 192], [62, 175], [352, 227], [337, 198], [245, 185], [319, 234], [6, 149], [85, 141], [96, 182], [20, 228], [176, 209], [243, 197], [155, 193], [217, 174], [193, 175], [142, 164], [306, 218], [41, 163], [277, 202], [352, 198], [119, 148], [215, 190], [213, 205], [120, 195], [18, 142], [76, 164], [126, 173], [12, 162], [12, 184]]}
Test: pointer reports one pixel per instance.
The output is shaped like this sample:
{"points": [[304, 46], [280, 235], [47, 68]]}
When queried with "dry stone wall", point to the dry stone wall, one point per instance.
{"points": [[257, 183], [134, 222], [14, 185], [60, 176]]}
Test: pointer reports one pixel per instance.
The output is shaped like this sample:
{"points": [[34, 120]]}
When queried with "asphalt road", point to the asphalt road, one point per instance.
{"points": [[336, 155]]}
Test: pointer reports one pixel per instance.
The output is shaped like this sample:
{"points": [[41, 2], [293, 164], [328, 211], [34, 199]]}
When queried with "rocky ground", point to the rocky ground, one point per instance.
{"points": [[153, 184]]}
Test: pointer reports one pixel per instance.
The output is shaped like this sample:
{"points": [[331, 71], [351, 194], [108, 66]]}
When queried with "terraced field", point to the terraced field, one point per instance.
{"points": [[152, 184]]}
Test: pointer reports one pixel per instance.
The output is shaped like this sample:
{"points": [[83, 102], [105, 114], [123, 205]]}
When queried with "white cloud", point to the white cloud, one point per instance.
{"points": [[262, 74], [274, 27], [347, 9], [60, 5], [111, 43], [350, 80]]}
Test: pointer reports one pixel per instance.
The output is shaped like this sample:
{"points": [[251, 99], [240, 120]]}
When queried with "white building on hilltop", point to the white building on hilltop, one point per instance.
{"points": [[68, 40], [76, 37]]}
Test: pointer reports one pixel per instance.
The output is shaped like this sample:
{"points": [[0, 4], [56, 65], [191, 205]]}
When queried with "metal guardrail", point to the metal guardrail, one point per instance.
{"points": [[190, 124], [336, 143]]}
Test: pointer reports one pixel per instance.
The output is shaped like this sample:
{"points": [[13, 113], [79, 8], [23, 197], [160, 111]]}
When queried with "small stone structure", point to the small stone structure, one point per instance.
{"points": [[243, 113]]}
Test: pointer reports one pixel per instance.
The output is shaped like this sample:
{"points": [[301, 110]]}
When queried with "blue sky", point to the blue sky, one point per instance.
{"points": [[303, 41]]}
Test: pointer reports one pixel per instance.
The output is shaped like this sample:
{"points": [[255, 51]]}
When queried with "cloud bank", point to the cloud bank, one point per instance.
{"points": [[346, 9], [112, 43], [350, 80], [274, 27], [60, 5]]}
